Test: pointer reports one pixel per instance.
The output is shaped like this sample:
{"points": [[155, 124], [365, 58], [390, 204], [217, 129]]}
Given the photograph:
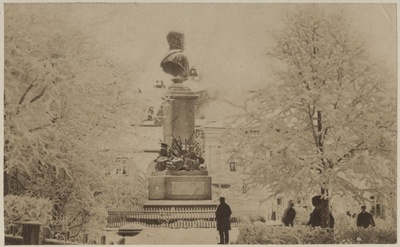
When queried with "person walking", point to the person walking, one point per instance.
{"points": [[289, 214], [315, 216], [365, 219], [223, 223]]}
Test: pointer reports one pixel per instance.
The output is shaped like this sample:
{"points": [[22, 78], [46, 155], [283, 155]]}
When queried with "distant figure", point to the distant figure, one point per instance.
{"points": [[223, 223], [289, 214], [365, 219], [315, 216]]}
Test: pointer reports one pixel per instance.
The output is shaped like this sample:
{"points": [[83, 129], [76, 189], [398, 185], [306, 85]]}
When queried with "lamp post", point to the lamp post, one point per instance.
{"points": [[219, 171], [232, 164], [193, 72]]}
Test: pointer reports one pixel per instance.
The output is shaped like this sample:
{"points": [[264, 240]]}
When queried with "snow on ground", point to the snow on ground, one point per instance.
{"points": [[163, 236]]}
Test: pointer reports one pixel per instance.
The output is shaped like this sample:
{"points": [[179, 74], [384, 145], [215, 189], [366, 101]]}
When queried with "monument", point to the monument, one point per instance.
{"points": [[180, 177]]}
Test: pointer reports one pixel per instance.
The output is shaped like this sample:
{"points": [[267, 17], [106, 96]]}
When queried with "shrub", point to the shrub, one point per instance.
{"points": [[372, 235], [318, 236], [259, 233], [251, 233], [282, 235], [346, 232], [25, 208], [252, 218]]}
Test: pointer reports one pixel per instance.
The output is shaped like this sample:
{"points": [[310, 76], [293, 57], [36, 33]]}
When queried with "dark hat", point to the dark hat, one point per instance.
{"points": [[316, 200], [164, 145], [363, 207]]}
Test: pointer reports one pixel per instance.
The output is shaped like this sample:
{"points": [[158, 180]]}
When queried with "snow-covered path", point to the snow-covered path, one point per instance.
{"points": [[162, 236]]}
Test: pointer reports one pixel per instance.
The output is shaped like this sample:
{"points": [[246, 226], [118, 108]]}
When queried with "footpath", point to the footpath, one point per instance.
{"points": [[168, 236]]}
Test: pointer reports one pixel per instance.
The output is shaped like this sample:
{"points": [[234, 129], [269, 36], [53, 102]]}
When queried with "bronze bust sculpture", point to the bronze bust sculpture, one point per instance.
{"points": [[176, 62]]}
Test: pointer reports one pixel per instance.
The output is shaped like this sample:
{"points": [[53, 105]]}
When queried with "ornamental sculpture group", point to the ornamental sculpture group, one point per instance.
{"points": [[180, 155]]}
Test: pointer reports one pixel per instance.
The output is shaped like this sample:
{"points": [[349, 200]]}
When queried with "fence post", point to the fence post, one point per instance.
{"points": [[46, 234], [30, 232], [85, 238], [203, 217], [13, 230]]}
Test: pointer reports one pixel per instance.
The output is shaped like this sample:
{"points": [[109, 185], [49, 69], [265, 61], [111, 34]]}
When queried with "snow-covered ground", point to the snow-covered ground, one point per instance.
{"points": [[162, 236]]}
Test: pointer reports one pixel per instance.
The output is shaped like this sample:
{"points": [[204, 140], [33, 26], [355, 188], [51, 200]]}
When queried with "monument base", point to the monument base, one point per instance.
{"points": [[176, 204], [182, 187], [179, 173]]}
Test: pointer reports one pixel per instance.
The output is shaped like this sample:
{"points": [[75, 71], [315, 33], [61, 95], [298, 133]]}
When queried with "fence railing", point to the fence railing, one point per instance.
{"points": [[171, 218]]}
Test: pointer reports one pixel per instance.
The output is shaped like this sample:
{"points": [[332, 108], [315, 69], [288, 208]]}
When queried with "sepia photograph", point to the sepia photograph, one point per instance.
{"points": [[138, 123]]}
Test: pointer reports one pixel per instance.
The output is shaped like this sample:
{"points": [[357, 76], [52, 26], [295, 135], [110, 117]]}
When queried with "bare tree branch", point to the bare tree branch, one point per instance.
{"points": [[26, 92], [38, 96]]}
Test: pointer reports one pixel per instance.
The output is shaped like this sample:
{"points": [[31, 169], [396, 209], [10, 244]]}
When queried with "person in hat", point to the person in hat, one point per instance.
{"points": [[365, 219], [289, 214], [315, 216], [223, 214]]}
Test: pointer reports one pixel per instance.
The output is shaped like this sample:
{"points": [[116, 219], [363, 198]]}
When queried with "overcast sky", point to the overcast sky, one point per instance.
{"points": [[225, 42]]}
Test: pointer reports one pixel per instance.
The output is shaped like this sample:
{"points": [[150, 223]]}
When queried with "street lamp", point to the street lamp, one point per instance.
{"points": [[193, 72], [232, 164]]}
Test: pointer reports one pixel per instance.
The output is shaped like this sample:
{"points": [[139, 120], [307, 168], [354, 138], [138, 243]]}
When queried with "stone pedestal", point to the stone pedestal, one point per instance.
{"points": [[180, 204], [183, 187], [179, 113], [169, 189]]}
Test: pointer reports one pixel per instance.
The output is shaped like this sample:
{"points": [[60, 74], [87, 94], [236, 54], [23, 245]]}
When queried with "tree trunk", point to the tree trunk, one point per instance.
{"points": [[325, 219], [6, 184]]}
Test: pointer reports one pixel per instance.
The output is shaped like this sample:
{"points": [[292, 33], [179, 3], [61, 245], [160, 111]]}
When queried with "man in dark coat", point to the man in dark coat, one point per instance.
{"points": [[223, 223], [315, 216], [365, 219], [289, 214]]}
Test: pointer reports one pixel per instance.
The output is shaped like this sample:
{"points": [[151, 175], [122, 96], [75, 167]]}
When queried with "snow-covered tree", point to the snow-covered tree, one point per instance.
{"points": [[323, 125], [61, 94]]}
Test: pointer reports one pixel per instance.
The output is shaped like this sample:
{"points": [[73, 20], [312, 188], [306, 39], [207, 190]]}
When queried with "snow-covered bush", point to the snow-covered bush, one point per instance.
{"points": [[18, 209], [346, 232], [250, 233], [317, 235], [262, 234], [259, 233], [125, 193], [372, 235]]}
